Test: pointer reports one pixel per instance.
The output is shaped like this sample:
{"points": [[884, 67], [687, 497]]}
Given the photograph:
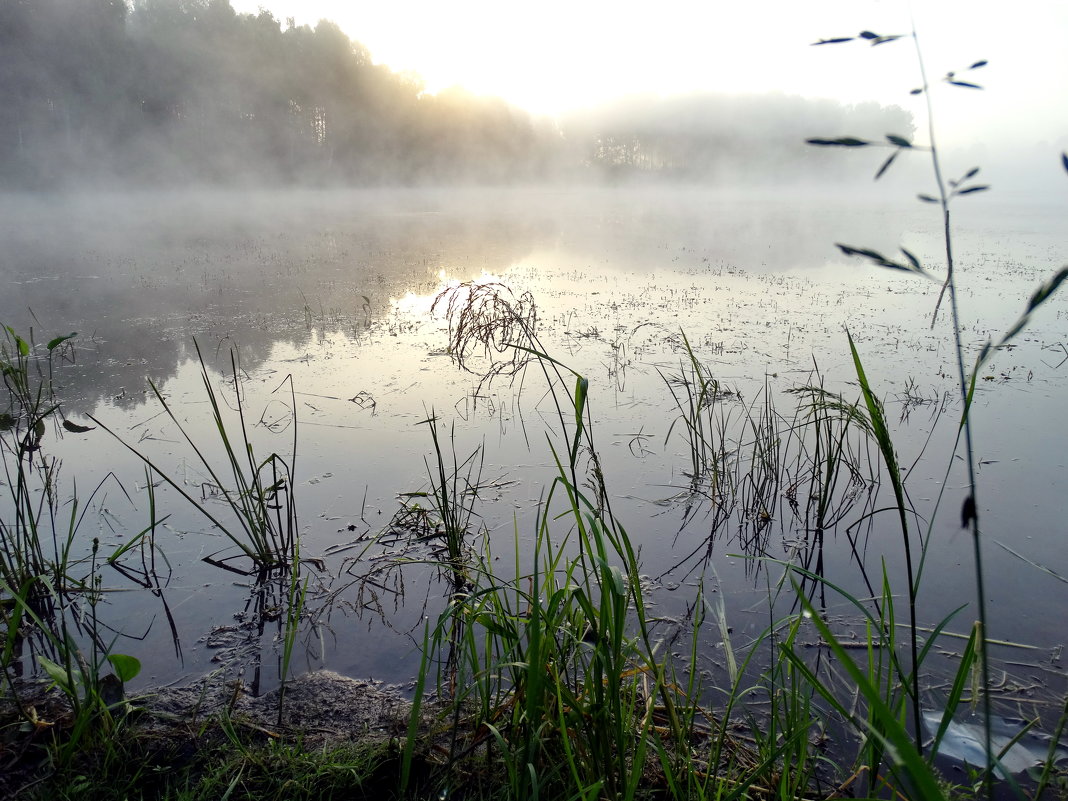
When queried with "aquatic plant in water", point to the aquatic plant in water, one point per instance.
{"points": [[50, 593], [259, 493], [948, 191]]}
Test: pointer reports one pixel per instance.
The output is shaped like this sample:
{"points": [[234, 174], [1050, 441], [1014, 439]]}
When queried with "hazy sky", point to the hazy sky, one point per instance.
{"points": [[552, 55]]}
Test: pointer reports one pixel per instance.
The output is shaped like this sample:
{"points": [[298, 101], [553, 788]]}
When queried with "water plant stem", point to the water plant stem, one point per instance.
{"points": [[970, 512]]}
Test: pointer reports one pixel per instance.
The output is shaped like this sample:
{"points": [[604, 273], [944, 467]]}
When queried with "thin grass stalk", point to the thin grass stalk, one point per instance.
{"points": [[1046, 776], [886, 446], [970, 514], [248, 551], [251, 499], [266, 543], [448, 497], [971, 506], [878, 621], [295, 598], [697, 405], [908, 763], [415, 716]]}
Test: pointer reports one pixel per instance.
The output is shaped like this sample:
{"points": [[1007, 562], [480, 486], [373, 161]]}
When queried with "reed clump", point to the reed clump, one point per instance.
{"points": [[605, 713], [51, 587], [258, 492]]}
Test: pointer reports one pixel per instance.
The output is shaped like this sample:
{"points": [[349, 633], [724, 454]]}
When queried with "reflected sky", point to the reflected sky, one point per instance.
{"points": [[334, 291]]}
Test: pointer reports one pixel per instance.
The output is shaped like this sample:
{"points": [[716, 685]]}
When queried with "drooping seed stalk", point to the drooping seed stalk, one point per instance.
{"points": [[971, 506]]}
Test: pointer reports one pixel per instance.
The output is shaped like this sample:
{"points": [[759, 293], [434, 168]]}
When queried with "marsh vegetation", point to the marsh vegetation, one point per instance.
{"points": [[709, 516]]}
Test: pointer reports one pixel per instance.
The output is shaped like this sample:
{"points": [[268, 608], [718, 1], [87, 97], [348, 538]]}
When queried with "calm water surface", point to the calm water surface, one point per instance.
{"points": [[334, 289]]}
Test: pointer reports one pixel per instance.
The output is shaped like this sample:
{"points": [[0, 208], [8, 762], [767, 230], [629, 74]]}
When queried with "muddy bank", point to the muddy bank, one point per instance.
{"points": [[178, 725], [323, 707]]}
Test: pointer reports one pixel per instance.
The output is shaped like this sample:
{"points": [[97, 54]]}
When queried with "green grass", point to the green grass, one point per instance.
{"points": [[258, 492], [33, 542], [50, 591], [218, 759], [949, 191]]}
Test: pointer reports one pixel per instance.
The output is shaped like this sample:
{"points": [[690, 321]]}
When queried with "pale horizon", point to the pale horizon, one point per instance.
{"points": [[556, 57]]}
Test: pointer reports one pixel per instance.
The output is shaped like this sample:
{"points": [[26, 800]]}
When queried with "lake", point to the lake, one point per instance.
{"points": [[326, 301]]}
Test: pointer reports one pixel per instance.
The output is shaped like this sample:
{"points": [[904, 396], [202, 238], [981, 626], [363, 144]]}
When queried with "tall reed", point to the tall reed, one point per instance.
{"points": [[31, 545], [556, 665], [259, 493], [948, 190]]}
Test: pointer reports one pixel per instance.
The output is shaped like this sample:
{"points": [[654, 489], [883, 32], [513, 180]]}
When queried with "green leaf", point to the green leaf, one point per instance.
{"points": [[971, 189], [912, 260], [582, 387], [868, 254], [965, 84], [584, 602], [900, 141], [974, 171], [872, 255], [882, 261], [844, 141], [927, 198], [22, 345], [613, 578], [868, 35], [494, 628], [126, 667], [916, 92], [978, 64], [886, 164], [57, 674], [960, 680], [1040, 296], [884, 725], [55, 343]]}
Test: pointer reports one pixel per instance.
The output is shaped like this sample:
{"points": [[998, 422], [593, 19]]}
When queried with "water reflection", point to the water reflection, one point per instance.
{"points": [[334, 291], [139, 276]]}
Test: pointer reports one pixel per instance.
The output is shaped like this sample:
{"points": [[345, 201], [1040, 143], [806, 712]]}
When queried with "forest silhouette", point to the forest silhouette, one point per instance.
{"points": [[179, 92]]}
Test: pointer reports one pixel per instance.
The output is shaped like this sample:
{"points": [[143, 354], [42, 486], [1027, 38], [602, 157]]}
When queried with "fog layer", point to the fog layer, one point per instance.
{"points": [[166, 92]]}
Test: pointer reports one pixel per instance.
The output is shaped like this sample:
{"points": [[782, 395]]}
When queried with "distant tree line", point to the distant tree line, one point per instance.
{"points": [[727, 138], [189, 91]]}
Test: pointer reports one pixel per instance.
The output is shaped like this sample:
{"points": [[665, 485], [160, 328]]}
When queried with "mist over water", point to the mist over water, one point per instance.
{"points": [[334, 288], [188, 92], [140, 274]]}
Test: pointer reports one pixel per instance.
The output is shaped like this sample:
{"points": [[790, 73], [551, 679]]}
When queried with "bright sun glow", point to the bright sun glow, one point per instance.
{"points": [[416, 304], [556, 55]]}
